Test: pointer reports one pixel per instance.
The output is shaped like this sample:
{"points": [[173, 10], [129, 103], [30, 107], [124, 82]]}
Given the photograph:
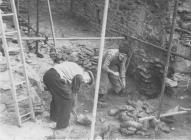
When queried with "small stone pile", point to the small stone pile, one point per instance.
{"points": [[86, 57], [128, 116]]}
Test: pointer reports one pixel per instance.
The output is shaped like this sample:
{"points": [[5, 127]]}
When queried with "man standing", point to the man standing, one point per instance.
{"points": [[114, 61]]}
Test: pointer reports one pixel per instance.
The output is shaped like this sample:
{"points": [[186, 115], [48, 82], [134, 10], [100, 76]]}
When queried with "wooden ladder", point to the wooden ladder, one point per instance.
{"points": [[21, 117]]}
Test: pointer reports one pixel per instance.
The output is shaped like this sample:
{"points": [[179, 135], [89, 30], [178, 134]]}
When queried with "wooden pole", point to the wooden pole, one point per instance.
{"points": [[69, 38], [99, 68], [28, 16], [37, 23], [168, 60], [108, 38], [51, 22], [17, 2], [164, 115]]}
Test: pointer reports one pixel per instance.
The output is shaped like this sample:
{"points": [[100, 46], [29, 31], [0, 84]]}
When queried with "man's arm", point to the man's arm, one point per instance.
{"points": [[107, 63]]}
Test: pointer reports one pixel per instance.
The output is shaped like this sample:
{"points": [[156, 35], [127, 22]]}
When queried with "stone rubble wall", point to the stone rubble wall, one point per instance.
{"points": [[183, 35], [146, 20]]}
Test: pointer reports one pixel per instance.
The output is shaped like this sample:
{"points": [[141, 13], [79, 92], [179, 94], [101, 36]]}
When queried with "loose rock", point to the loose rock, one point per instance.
{"points": [[124, 117], [134, 124], [126, 132], [113, 112], [163, 127], [126, 108]]}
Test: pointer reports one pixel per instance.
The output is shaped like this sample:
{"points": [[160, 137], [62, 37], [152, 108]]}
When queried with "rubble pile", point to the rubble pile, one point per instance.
{"points": [[129, 118], [86, 57]]}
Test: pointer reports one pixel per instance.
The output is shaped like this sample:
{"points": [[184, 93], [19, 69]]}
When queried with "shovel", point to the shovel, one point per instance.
{"points": [[184, 109]]}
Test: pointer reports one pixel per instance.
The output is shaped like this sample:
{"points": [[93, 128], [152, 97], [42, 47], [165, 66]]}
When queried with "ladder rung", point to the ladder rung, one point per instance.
{"points": [[28, 118], [20, 83], [10, 33], [17, 66], [24, 115], [14, 49], [9, 14], [3, 6], [22, 99]]}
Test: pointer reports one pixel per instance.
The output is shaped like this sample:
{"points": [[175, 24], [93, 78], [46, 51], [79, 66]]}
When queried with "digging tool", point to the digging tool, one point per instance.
{"points": [[121, 83], [163, 115], [126, 67], [184, 109], [129, 60]]}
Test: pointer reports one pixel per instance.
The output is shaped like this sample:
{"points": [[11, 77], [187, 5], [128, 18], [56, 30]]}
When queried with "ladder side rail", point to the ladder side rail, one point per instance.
{"points": [[13, 88], [23, 58]]}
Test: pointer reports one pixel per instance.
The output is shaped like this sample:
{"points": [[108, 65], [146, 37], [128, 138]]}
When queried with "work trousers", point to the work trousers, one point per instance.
{"points": [[114, 81], [61, 104]]}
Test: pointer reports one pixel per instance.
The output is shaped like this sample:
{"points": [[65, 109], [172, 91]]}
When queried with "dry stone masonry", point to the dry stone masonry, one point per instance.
{"points": [[146, 20]]}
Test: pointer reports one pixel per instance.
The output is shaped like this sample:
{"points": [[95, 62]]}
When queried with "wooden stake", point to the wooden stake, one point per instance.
{"points": [[168, 60], [28, 16], [99, 67], [17, 2], [51, 22], [37, 23]]}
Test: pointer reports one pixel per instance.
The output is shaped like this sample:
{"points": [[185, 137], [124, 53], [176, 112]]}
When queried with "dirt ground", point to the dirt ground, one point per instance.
{"points": [[72, 26]]}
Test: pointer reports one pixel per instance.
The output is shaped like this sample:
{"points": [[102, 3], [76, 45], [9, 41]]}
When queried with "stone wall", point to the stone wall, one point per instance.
{"points": [[183, 35], [146, 20]]}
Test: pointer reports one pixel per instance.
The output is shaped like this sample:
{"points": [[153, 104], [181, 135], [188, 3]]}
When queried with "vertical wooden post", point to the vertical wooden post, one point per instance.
{"points": [[17, 3], [167, 60], [51, 22], [28, 16], [37, 24], [99, 67], [71, 5]]}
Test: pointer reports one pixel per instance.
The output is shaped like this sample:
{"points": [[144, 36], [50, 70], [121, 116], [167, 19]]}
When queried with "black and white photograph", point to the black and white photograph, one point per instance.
{"points": [[95, 69]]}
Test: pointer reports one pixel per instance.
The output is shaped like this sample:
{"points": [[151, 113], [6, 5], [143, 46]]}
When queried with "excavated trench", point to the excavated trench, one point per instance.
{"points": [[144, 65]]}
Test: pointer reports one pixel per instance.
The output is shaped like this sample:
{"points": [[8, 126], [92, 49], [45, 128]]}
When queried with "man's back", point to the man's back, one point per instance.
{"points": [[68, 70], [110, 58]]}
